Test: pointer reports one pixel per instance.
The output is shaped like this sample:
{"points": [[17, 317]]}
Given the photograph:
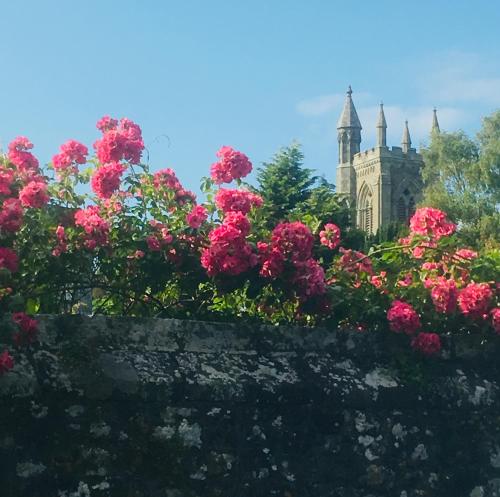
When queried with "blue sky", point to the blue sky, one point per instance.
{"points": [[254, 75]]}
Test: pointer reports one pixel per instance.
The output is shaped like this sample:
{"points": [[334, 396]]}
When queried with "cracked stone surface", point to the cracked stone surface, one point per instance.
{"points": [[165, 408]]}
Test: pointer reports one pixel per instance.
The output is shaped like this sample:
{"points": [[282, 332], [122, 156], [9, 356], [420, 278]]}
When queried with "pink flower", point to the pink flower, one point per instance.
{"points": [[106, 179], [466, 254], [378, 280], [495, 319], [28, 328], [428, 344], [34, 195], [166, 178], [71, 153], [62, 245], [474, 300], [229, 252], [11, 215], [444, 295], [8, 259], [95, 227], [309, 279], [120, 141], [197, 216], [6, 362], [19, 155], [153, 243], [236, 200], [232, 165], [106, 123], [353, 261], [431, 266], [406, 281], [330, 236], [6, 179], [403, 318], [431, 222], [294, 241]]}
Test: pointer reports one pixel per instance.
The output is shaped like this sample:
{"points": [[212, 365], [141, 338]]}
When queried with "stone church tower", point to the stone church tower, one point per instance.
{"points": [[383, 184]]}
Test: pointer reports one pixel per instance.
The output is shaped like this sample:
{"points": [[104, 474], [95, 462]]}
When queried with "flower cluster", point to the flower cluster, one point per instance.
{"points": [[403, 318], [106, 179], [71, 154], [330, 236], [229, 252], [160, 238], [197, 216], [431, 222], [121, 140], [474, 300], [291, 243], [6, 362], [236, 200], [231, 165], [20, 155], [428, 344], [8, 259], [444, 294], [165, 181], [34, 194], [354, 261], [27, 328], [95, 227], [11, 215]]}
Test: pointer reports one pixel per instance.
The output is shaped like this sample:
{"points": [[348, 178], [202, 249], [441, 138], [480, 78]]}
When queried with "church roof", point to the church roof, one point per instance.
{"points": [[349, 117]]}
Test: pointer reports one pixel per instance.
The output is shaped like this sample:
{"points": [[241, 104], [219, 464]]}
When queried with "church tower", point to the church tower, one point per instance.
{"points": [[383, 183], [349, 138]]}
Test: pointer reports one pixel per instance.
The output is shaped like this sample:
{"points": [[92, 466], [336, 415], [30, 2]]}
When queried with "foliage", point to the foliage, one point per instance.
{"points": [[462, 177], [140, 245]]}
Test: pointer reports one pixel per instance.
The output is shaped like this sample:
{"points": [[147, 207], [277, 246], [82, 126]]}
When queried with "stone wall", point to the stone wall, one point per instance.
{"points": [[107, 407]]}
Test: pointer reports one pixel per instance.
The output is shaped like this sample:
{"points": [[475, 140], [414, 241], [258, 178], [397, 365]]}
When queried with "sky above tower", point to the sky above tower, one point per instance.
{"points": [[254, 75]]}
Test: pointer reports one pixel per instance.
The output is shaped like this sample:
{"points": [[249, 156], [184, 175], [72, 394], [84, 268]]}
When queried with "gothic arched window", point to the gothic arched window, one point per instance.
{"points": [[365, 209], [401, 207], [411, 208]]}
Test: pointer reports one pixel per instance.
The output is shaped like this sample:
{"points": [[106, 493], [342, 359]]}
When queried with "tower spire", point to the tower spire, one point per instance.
{"points": [[435, 124], [381, 128], [349, 117], [406, 140], [349, 138]]}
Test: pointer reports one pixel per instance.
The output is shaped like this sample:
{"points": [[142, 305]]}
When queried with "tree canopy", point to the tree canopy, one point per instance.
{"points": [[292, 191], [462, 177]]}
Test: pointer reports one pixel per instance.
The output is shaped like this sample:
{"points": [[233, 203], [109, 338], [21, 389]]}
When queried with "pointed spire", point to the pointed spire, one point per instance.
{"points": [[406, 140], [381, 128], [349, 117], [435, 124]]}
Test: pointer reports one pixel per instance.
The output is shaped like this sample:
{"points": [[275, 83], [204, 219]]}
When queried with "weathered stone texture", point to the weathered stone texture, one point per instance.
{"points": [[127, 408]]}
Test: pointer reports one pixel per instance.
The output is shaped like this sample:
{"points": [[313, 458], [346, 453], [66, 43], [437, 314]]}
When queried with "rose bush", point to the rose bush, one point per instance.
{"points": [[140, 244]]}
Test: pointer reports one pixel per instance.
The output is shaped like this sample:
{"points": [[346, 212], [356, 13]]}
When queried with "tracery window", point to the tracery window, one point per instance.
{"points": [[365, 210]]}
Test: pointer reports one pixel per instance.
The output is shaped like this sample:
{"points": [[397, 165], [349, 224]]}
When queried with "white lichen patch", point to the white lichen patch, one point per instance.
{"points": [[399, 432], [29, 469], [99, 430], [164, 432], [420, 453], [201, 474], [190, 434], [495, 458], [477, 492], [370, 455], [380, 378], [365, 440], [75, 410]]}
